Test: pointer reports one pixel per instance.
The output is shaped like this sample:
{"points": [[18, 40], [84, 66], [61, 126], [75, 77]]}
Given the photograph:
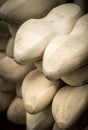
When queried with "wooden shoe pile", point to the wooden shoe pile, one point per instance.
{"points": [[11, 74], [12, 15], [44, 65]]}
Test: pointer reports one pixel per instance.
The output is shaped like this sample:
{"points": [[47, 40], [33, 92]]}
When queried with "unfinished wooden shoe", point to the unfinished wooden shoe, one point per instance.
{"points": [[81, 123], [16, 112], [40, 121], [69, 52], [19, 11], [38, 92], [12, 71], [78, 77], [35, 34], [69, 104]]}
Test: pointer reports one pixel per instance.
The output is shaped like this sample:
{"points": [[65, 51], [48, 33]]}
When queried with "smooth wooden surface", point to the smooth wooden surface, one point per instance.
{"points": [[38, 92], [4, 123], [69, 52], [37, 33], [12, 71], [20, 11], [69, 104], [16, 112]]}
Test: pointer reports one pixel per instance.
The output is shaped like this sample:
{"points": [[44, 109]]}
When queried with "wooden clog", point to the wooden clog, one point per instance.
{"points": [[18, 12], [12, 71], [16, 112], [69, 104], [69, 52], [38, 92], [78, 77], [34, 35], [40, 121]]}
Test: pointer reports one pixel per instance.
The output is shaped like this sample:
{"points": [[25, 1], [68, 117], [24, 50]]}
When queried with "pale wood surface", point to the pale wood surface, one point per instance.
{"points": [[16, 112], [38, 92]]}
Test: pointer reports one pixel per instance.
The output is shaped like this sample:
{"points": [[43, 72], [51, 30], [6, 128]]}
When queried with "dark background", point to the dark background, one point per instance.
{"points": [[4, 123], [84, 5]]}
